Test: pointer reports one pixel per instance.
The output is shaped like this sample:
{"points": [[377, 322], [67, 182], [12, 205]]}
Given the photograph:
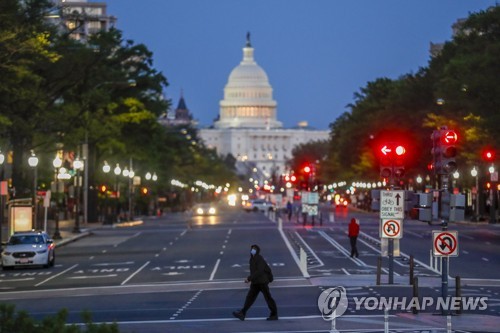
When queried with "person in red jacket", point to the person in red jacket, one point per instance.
{"points": [[353, 236]]}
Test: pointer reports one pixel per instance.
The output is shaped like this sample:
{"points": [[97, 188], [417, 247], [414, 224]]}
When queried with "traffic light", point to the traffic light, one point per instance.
{"points": [[399, 167], [488, 155], [444, 151], [103, 188], [144, 191], [392, 160], [307, 169]]}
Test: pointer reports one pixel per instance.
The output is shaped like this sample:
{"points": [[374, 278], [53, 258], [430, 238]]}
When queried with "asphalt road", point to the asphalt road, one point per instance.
{"points": [[183, 273]]}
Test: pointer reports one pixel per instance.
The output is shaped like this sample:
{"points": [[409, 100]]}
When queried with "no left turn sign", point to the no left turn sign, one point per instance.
{"points": [[445, 243]]}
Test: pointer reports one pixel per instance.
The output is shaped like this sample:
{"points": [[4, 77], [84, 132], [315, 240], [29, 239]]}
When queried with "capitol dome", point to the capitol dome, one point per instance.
{"points": [[248, 96]]}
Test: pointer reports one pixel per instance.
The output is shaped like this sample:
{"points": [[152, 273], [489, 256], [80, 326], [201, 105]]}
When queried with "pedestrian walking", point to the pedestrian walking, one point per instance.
{"points": [[353, 236], [289, 210], [259, 279]]}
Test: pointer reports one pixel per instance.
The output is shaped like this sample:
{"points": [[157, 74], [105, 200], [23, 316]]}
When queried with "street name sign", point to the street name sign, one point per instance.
{"points": [[392, 205]]}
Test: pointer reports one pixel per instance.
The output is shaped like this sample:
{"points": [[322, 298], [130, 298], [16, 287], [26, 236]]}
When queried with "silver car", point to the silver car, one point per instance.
{"points": [[28, 248], [259, 205]]}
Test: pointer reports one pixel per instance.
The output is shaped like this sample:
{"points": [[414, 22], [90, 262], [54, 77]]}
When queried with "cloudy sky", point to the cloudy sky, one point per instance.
{"points": [[316, 53]]}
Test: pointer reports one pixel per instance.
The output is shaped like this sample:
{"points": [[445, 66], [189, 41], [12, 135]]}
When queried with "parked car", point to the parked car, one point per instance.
{"points": [[259, 205], [204, 209], [29, 248]]}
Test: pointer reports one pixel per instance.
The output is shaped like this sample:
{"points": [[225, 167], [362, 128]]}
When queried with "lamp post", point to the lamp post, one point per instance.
{"points": [[117, 172], [106, 168], [131, 175], [33, 162], [78, 165], [126, 173], [474, 174], [492, 194], [57, 163]]}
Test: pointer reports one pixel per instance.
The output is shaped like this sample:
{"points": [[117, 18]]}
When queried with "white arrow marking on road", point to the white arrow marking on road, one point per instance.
{"points": [[182, 261], [17, 280], [236, 265], [93, 276], [114, 263], [172, 273]]}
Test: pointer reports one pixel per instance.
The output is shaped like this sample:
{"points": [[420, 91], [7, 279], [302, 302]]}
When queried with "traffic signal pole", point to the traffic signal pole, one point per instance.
{"points": [[391, 241], [444, 215]]}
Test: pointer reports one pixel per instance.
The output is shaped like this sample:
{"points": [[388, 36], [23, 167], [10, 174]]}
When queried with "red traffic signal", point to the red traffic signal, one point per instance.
{"points": [[307, 169], [444, 151], [392, 150], [449, 137], [400, 150], [488, 155], [392, 160]]}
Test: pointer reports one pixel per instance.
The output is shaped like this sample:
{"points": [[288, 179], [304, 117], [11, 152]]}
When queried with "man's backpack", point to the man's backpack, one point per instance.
{"points": [[269, 273]]}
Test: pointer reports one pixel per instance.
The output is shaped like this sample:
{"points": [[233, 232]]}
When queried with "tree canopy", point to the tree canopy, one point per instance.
{"points": [[459, 88]]}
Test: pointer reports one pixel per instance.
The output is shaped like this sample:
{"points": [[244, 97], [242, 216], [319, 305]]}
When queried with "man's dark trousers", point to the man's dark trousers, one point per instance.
{"points": [[253, 292]]}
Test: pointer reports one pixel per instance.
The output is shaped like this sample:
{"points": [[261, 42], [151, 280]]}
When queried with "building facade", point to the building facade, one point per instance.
{"points": [[248, 127], [82, 18]]}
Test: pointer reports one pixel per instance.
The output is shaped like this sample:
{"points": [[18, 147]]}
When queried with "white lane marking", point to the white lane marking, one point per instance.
{"points": [[414, 234], [114, 263], [292, 252], [92, 276], [342, 249], [133, 274], [320, 262], [18, 280], [214, 270], [54, 276], [345, 271], [485, 259]]}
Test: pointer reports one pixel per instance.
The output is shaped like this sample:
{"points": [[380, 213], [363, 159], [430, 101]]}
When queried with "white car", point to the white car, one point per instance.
{"points": [[258, 205], [204, 209], [29, 248]]}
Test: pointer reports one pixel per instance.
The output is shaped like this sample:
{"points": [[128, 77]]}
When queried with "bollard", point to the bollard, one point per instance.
{"points": [[386, 320], [379, 269], [458, 294], [415, 295], [412, 265], [303, 262]]}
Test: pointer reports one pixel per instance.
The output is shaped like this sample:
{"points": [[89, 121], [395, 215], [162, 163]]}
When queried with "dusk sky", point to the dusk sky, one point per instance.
{"points": [[316, 53]]}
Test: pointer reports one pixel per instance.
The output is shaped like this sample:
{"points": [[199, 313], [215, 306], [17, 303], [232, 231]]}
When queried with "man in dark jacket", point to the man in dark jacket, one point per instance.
{"points": [[259, 282]]}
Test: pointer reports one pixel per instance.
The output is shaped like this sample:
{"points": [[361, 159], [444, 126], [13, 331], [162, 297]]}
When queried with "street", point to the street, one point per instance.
{"points": [[182, 273]]}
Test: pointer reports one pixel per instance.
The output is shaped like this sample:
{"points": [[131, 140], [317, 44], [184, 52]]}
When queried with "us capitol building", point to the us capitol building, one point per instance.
{"points": [[247, 126]]}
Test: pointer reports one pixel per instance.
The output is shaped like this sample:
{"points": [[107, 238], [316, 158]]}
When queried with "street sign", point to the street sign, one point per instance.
{"points": [[391, 228], [445, 243], [392, 205]]}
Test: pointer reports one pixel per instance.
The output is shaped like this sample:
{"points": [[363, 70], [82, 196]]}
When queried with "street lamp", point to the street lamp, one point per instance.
{"points": [[57, 163], [33, 162], [131, 175], [78, 165], [117, 172], [474, 173]]}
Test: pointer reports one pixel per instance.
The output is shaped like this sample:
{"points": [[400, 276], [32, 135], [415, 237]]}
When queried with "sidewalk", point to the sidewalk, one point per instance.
{"points": [[66, 230], [68, 234]]}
